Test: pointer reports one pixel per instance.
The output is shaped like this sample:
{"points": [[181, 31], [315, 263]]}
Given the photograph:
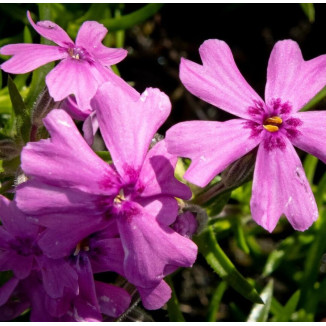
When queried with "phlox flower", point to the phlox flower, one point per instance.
{"points": [[74, 193], [85, 63], [273, 126], [61, 289]]}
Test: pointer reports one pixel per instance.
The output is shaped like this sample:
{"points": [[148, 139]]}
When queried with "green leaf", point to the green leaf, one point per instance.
{"points": [[174, 311], [284, 314], [240, 235], [276, 256], [321, 190], [314, 257], [27, 35], [222, 265], [315, 100], [309, 10], [136, 17], [259, 313], [104, 155], [21, 117], [215, 302], [309, 165]]}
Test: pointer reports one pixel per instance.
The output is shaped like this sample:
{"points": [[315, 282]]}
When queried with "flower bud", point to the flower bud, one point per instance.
{"points": [[239, 171], [185, 224], [43, 105], [8, 149]]}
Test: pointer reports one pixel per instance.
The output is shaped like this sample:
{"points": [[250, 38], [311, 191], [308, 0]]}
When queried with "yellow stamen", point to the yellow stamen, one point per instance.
{"points": [[271, 128], [118, 199], [273, 121]]}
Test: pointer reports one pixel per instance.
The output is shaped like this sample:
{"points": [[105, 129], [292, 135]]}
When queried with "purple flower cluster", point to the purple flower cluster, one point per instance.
{"points": [[78, 215]]}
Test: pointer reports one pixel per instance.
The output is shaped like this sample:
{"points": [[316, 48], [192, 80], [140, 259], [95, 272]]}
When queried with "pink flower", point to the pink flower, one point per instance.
{"points": [[84, 64], [74, 193], [274, 125]]}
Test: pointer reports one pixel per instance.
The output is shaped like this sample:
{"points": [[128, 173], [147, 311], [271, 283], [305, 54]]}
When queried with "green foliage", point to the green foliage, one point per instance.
{"points": [[215, 302], [222, 265], [309, 10], [174, 312], [259, 312]]}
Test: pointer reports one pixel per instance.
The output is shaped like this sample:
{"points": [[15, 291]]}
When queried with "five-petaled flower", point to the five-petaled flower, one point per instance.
{"points": [[274, 125], [84, 64]]}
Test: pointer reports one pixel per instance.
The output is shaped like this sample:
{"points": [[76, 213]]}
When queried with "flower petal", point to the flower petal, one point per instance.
{"points": [[90, 36], [106, 255], [7, 289], [27, 57], [59, 243], [72, 76], [157, 174], [70, 106], [113, 300], [57, 274], [218, 145], [164, 208], [218, 81], [42, 201], [66, 160], [127, 124], [150, 247], [312, 133], [14, 221], [292, 79], [155, 297], [51, 31], [280, 186], [90, 128]]}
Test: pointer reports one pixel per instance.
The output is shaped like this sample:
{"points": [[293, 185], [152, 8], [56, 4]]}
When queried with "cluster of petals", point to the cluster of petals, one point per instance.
{"points": [[74, 193], [85, 65], [61, 289], [271, 127], [78, 215]]}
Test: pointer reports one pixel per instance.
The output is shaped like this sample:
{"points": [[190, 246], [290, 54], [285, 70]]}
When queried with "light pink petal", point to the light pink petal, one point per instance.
{"points": [[128, 124], [113, 300], [292, 79], [312, 133], [65, 160], [155, 297], [90, 36], [218, 81], [51, 31], [280, 186], [157, 174], [41, 201], [164, 208], [150, 246], [215, 146], [27, 57], [70, 106], [72, 76], [7, 289], [90, 128]]}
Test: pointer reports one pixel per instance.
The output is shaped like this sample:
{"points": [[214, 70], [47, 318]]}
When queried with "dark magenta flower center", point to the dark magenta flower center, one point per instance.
{"points": [[25, 247], [275, 121]]}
